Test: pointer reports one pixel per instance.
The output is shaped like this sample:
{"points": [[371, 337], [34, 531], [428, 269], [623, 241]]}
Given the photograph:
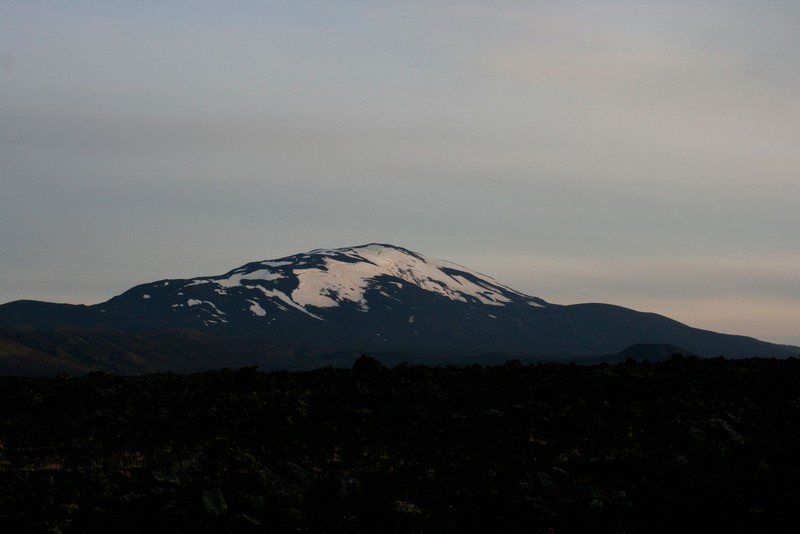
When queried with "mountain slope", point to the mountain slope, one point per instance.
{"points": [[375, 298]]}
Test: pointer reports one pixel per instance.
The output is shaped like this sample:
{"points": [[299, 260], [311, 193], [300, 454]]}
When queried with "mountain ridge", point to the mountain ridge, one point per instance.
{"points": [[375, 298]]}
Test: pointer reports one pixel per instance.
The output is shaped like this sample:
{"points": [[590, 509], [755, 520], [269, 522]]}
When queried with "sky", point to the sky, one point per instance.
{"points": [[643, 154]]}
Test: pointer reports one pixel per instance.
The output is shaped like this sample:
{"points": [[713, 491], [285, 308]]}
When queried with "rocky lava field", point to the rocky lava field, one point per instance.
{"points": [[686, 445]]}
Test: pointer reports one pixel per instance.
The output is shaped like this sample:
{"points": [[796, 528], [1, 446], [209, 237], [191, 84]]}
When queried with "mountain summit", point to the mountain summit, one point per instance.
{"points": [[372, 298]]}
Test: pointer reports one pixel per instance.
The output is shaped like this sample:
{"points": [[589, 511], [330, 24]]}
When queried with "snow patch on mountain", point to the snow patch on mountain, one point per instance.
{"points": [[256, 308], [236, 279], [283, 297], [210, 308], [341, 280], [324, 288]]}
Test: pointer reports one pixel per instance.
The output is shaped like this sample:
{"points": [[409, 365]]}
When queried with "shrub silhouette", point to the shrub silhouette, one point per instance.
{"points": [[368, 366]]}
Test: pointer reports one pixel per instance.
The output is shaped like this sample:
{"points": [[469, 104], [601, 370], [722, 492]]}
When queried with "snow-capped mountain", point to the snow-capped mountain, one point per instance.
{"points": [[375, 298], [314, 284], [371, 297]]}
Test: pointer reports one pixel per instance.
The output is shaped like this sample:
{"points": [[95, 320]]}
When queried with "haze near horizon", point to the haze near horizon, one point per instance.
{"points": [[640, 154]]}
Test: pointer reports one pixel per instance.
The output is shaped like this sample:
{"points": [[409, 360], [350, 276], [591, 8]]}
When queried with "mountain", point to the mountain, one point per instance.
{"points": [[301, 309]]}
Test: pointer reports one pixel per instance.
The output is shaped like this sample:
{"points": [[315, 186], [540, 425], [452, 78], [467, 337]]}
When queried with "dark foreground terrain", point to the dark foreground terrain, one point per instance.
{"points": [[684, 445]]}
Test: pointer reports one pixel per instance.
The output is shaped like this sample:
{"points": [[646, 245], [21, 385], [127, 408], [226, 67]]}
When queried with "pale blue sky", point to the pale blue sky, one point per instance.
{"points": [[637, 153]]}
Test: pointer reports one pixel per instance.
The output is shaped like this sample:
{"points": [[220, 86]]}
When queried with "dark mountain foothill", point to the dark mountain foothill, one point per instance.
{"points": [[681, 445], [326, 306]]}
